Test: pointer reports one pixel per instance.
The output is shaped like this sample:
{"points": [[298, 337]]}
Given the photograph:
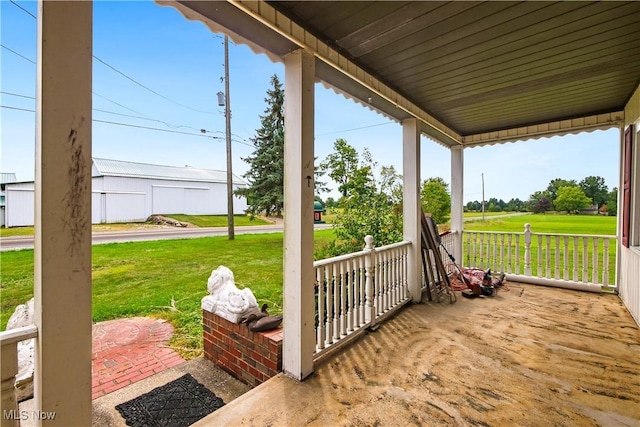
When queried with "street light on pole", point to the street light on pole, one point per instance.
{"points": [[224, 100]]}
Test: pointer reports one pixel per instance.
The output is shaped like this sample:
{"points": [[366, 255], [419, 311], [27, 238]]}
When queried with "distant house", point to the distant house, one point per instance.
{"points": [[131, 192]]}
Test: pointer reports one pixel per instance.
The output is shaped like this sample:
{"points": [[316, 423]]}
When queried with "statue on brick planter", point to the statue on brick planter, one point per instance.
{"points": [[225, 299]]}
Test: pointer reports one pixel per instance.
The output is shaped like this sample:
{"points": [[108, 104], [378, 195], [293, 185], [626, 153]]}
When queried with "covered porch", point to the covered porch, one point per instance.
{"points": [[530, 356], [570, 67]]}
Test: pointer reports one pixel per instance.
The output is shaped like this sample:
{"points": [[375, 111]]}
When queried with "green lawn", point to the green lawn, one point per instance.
{"points": [[560, 224], [142, 278]]}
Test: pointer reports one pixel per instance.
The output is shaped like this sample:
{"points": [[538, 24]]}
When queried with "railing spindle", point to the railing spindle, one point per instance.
{"points": [[547, 256], [594, 275], [565, 258], [321, 328], [517, 269], [585, 260], [576, 249], [605, 262]]}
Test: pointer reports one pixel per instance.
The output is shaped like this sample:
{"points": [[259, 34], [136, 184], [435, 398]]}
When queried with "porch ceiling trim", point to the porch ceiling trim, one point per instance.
{"points": [[561, 127], [334, 70], [269, 16]]}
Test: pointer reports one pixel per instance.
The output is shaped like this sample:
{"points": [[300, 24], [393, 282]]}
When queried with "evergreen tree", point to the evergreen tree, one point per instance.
{"points": [[265, 192]]}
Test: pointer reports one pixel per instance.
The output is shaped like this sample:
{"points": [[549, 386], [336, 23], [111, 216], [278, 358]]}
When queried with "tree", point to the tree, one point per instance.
{"points": [[331, 203], [612, 202], [265, 192], [371, 206], [474, 206], [595, 189], [555, 184], [341, 164], [436, 199], [571, 199], [515, 205], [540, 202]]}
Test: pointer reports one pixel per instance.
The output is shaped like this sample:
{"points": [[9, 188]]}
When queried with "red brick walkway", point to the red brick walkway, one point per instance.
{"points": [[129, 350]]}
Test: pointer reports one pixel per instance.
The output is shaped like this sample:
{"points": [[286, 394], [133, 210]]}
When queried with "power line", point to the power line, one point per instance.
{"points": [[17, 108], [201, 135], [201, 130], [16, 53], [120, 105], [151, 90], [349, 130], [18, 95], [119, 72], [23, 9]]}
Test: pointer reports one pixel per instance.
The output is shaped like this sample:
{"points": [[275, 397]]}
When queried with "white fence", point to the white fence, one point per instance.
{"points": [[570, 259], [354, 291], [9, 346]]}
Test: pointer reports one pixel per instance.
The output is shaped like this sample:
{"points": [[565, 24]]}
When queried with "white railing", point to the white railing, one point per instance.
{"points": [[9, 346], [573, 259], [356, 290]]}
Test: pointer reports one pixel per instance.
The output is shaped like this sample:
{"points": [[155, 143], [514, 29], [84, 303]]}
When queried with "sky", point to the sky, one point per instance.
{"points": [[183, 63]]}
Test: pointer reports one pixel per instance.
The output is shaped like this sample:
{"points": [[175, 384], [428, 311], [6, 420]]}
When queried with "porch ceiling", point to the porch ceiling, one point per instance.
{"points": [[472, 72]]}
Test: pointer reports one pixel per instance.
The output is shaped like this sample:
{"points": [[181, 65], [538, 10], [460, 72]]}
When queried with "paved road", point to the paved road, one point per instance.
{"points": [[486, 217], [26, 242]]}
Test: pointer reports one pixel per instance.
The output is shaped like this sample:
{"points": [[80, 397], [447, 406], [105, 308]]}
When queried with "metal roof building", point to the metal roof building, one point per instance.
{"points": [[108, 167], [131, 192]]}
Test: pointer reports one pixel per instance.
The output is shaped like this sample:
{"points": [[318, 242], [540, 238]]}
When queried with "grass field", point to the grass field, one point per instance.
{"points": [[142, 279], [560, 224]]}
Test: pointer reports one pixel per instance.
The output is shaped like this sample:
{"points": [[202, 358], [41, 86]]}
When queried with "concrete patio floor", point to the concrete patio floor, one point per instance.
{"points": [[532, 356]]}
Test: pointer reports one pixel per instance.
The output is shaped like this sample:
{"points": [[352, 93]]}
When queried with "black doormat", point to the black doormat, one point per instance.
{"points": [[179, 403]]}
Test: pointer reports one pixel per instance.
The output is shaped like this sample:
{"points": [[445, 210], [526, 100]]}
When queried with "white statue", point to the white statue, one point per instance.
{"points": [[23, 316], [225, 299]]}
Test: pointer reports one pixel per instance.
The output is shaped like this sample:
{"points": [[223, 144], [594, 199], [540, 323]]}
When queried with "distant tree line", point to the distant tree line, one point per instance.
{"points": [[560, 195]]}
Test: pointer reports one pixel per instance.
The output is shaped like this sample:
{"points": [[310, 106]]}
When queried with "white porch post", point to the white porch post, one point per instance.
{"points": [[299, 275], [457, 207], [411, 203], [62, 288]]}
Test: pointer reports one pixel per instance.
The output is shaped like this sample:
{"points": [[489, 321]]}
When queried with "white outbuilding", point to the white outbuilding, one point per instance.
{"points": [[131, 192]]}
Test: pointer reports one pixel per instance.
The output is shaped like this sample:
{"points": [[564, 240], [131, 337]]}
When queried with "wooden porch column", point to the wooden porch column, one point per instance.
{"points": [[62, 288], [457, 204], [299, 275], [411, 203]]}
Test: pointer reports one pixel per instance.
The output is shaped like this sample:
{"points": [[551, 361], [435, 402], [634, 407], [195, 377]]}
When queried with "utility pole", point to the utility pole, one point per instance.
{"points": [[227, 115]]}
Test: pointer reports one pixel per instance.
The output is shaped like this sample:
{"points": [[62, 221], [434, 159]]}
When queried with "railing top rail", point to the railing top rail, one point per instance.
{"points": [[392, 246], [354, 255], [13, 336], [599, 236], [339, 258]]}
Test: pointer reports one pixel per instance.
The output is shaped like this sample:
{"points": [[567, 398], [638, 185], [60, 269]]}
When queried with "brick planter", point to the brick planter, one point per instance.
{"points": [[251, 357]]}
